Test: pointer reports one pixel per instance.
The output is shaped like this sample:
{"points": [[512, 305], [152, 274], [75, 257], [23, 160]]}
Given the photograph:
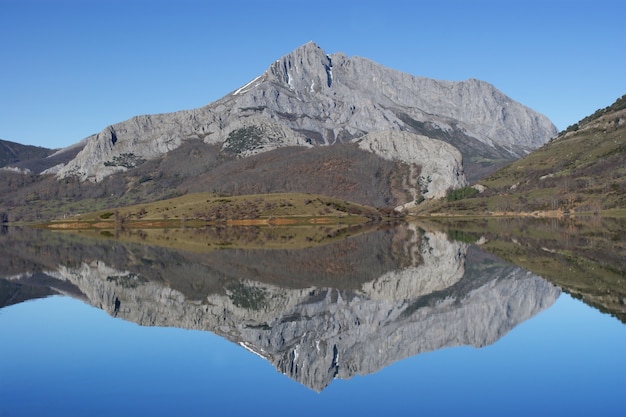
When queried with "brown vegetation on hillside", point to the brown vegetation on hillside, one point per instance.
{"points": [[341, 171]]}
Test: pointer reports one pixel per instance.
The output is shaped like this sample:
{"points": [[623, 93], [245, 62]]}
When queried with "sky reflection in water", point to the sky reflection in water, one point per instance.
{"points": [[62, 357]]}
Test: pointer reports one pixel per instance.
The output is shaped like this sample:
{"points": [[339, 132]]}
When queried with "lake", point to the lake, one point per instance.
{"points": [[408, 319]]}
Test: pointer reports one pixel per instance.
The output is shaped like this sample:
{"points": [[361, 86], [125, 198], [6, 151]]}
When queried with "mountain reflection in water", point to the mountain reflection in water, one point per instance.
{"points": [[350, 307]]}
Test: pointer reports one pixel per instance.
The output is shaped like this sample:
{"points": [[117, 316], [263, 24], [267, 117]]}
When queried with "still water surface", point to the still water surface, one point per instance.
{"points": [[390, 322]]}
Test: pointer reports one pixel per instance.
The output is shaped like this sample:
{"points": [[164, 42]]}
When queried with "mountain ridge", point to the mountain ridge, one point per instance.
{"points": [[310, 98]]}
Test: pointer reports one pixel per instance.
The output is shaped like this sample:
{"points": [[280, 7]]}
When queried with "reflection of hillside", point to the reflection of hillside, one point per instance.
{"points": [[33, 286], [190, 236], [348, 308], [347, 263], [584, 256]]}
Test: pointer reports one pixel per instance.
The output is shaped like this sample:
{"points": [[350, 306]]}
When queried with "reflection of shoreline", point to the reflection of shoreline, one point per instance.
{"points": [[398, 293], [257, 234]]}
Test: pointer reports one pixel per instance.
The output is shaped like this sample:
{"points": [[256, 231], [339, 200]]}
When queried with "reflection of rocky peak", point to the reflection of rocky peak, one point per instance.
{"points": [[361, 336], [314, 334], [441, 266]]}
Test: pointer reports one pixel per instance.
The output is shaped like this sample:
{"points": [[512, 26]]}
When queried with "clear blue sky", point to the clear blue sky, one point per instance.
{"points": [[69, 68]]}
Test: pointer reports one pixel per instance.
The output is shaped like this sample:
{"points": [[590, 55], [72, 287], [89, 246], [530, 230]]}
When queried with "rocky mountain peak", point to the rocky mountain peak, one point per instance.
{"points": [[307, 68], [343, 98]]}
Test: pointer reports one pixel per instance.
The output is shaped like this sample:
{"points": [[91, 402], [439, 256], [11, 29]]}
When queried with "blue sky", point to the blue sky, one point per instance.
{"points": [[69, 68]]}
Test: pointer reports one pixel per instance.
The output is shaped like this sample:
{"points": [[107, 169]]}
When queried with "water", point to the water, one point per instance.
{"points": [[390, 322]]}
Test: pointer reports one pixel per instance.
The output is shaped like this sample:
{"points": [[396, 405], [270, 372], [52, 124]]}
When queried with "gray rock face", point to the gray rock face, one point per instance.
{"points": [[441, 171], [314, 334], [309, 98]]}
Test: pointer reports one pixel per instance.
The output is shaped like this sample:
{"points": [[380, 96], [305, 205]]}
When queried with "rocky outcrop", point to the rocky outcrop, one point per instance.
{"points": [[437, 258], [441, 164], [309, 98]]}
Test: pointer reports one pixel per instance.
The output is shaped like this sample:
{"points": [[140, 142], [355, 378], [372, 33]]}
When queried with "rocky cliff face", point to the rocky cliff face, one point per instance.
{"points": [[440, 171], [314, 334], [309, 98]]}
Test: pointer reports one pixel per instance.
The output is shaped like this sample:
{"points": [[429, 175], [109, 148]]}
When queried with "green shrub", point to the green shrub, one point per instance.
{"points": [[126, 160], [245, 139], [461, 193], [461, 236]]}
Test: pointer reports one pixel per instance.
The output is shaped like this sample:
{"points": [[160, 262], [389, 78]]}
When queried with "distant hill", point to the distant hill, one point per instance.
{"points": [[12, 153], [583, 169]]}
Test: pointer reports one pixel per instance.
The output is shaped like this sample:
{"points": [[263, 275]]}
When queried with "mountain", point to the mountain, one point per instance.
{"points": [[583, 169], [309, 98], [325, 124]]}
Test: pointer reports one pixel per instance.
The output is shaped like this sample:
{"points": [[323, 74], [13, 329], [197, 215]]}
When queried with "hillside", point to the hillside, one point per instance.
{"points": [[342, 172], [12, 153], [197, 221], [583, 169]]}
